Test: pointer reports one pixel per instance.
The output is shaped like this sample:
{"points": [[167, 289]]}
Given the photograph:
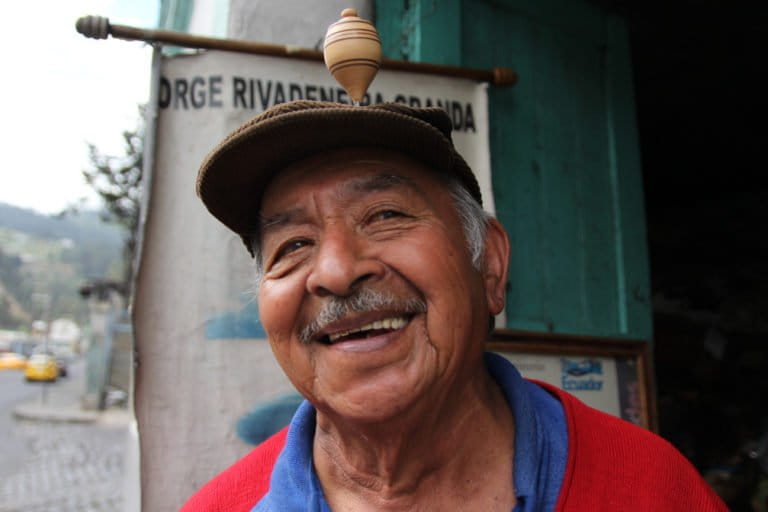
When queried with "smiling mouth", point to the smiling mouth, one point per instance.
{"points": [[368, 330]]}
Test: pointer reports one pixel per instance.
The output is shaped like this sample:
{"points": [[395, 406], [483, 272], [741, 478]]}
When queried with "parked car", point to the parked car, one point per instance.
{"points": [[61, 360], [12, 361], [41, 367], [61, 365]]}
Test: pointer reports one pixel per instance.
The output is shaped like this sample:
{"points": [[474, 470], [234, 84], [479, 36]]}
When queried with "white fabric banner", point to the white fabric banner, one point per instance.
{"points": [[203, 359]]}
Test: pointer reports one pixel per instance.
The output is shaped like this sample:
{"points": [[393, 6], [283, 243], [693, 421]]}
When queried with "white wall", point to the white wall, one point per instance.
{"points": [[209, 17], [296, 22]]}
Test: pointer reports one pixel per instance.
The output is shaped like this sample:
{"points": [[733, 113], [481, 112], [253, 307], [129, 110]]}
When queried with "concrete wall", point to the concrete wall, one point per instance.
{"points": [[293, 22]]}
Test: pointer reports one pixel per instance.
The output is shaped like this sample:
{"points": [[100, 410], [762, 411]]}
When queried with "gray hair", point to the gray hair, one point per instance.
{"points": [[474, 222]]}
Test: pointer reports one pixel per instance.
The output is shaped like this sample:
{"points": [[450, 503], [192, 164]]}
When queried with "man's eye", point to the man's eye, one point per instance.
{"points": [[386, 215], [292, 246]]}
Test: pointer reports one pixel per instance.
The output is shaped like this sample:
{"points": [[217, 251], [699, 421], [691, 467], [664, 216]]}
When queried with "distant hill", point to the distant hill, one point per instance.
{"points": [[77, 227], [46, 256]]}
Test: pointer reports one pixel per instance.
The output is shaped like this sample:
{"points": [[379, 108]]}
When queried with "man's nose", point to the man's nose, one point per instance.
{"points": [[341, 264]]}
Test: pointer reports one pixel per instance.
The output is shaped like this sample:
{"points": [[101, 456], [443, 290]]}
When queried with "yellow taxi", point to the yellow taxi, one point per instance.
{"points": [[41, 367], [12, 361]]}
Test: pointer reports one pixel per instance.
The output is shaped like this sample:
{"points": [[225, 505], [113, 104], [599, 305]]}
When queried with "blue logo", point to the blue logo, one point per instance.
{"points": [[582, 367], [578, 374]]}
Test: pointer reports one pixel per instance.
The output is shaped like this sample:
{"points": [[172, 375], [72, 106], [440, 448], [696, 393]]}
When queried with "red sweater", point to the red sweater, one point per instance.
{"points": [[612, 466]]}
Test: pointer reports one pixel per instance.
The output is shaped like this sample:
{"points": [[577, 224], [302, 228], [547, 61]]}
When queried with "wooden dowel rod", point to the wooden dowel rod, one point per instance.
{"points": [[212, 43], [98, 27]]}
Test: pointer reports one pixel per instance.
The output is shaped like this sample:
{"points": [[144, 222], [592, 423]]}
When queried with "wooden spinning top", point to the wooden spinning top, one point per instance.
{"points": [[352, 53]]}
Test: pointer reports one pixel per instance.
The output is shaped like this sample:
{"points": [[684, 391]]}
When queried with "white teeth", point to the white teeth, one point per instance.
{"points": [[387, 323]]}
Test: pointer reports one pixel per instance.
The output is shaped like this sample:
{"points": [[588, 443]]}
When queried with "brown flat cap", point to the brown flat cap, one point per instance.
{"points": [[235, 174]]}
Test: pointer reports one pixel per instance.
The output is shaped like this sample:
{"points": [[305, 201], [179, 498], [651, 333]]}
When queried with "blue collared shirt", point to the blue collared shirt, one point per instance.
{"points": [[541, 450]]}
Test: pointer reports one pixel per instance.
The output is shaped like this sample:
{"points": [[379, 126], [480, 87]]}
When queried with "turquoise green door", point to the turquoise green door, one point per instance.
{"points": [[564, 152]]}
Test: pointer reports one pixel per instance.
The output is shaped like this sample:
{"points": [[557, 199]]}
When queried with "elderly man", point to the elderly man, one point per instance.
{"points": [[379, 276]]}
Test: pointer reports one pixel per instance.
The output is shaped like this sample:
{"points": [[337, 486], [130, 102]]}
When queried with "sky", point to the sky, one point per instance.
{"points": [[60, 91]]}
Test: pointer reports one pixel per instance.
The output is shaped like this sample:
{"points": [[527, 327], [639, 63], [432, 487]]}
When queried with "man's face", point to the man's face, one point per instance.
{"points": [[377, 227]]}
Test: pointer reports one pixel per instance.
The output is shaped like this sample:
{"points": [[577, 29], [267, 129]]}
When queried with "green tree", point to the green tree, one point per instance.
{"points": [[117, 180]]}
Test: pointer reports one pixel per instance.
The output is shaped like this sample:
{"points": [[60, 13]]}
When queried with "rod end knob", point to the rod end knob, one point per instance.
{"points": [[95, 27], [504, 77]]}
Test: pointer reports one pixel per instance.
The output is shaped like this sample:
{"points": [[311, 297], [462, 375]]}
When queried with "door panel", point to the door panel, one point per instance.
{"points": [[566, 172]]}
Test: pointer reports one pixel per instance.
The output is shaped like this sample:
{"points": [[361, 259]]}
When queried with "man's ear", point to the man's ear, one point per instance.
{"points": [[496, 266]]}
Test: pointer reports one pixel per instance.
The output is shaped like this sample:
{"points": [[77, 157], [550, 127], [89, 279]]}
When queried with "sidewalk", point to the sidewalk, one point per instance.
{"points": [[61, 402], [66, 458]]}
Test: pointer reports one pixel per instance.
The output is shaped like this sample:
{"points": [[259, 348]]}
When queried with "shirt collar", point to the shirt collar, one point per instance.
{"points": [[541, 436], [538, 462]]}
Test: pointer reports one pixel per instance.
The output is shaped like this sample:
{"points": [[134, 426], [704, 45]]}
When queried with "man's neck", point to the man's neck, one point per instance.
{"points": [[450, 452]]}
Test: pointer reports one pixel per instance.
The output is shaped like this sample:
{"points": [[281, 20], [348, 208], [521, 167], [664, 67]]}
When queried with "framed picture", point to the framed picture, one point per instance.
{"points": [[609, 374]]}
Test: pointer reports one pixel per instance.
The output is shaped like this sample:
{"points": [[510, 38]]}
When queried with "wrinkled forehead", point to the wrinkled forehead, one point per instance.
{"points": [[350, 172]]}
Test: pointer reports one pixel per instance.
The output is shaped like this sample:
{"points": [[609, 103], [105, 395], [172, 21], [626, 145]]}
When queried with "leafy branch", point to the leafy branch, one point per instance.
{"points": [[117, 181]]}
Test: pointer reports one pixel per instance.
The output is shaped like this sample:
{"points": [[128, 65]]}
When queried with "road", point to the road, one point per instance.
{"points": [[64, 467], [13, 391]]}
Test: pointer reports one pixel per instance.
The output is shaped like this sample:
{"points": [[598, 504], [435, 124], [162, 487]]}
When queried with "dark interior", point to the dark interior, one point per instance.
{"points": [[700, 88]]}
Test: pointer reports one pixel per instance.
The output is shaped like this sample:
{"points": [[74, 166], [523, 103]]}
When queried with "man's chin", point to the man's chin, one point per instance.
{"points": [[369, 414], [383, 401]]}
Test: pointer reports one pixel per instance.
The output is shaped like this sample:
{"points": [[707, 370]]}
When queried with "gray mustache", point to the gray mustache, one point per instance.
{"points": [[363, 300]]}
